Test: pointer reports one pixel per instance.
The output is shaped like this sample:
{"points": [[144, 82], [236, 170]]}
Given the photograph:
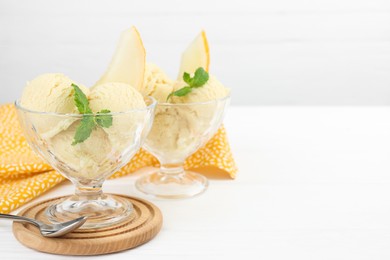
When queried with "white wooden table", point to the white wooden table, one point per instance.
{"points": [[314, 183]]}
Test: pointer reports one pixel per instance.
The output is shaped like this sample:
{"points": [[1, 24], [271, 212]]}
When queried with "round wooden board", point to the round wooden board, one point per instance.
{"points": [[142, 226]]}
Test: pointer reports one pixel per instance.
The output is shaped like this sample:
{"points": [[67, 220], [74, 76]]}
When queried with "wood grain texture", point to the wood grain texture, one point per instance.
{"points": [[141, 227]]}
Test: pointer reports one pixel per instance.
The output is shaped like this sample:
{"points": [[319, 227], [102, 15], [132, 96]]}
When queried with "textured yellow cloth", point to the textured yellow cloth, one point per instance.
{"points": [[24, 176]]}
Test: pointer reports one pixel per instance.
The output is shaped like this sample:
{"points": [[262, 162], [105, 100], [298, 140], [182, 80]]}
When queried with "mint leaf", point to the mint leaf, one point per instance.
{"points": [[200, 78], [81, 100], [182, 92], [187, 78], [88, 122], [104, 120], [84, 130]]}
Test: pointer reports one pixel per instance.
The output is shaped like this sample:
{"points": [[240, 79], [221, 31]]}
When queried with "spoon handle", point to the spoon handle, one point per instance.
{"points": [[19, 218]]}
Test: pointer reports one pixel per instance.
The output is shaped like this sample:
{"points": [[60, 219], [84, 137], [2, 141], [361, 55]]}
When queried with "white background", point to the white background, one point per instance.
{"points": [[280, 52]]}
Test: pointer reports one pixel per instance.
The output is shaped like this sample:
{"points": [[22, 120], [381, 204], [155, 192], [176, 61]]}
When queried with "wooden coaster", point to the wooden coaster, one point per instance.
{"points": [[142, 226]]}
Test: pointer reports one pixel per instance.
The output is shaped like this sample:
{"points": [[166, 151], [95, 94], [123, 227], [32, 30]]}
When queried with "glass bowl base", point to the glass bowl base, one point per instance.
{"points": [[172, 186], [102, 211]]}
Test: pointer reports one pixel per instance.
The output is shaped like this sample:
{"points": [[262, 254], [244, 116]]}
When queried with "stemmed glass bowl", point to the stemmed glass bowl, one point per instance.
{"points": [[178, 131], [89, 163]]}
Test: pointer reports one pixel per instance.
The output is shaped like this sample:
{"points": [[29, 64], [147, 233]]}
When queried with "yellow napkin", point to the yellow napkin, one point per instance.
{"points": [[24, 176]]}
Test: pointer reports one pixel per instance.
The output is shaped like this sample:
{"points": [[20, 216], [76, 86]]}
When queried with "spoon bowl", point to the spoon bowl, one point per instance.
{"points": [[50, 230]]}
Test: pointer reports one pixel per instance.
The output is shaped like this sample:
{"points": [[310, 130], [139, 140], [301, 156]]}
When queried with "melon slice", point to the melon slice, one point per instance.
{"points": [[195, 56], [128, 63]]}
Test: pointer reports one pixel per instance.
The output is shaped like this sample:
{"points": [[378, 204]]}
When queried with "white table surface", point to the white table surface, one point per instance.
{"points": [[314, 183]]}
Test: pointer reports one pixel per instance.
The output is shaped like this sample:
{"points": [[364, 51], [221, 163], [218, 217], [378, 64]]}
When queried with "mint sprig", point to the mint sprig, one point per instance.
{"points": [[84, 130], [198, 80], [89, 121], [104, 120], [81, 100]]}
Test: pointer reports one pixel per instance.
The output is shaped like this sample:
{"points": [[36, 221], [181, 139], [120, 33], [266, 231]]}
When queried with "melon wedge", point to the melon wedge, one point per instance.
{"points": [[128, 63], [195, 56]]}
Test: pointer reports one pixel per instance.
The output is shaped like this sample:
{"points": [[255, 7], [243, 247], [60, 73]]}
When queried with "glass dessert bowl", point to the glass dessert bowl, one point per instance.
{"points": [[178, 131], [88, 163]]}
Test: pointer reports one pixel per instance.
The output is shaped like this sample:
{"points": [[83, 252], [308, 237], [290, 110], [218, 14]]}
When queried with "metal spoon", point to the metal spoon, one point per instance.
{"points": [[50, 230]]}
